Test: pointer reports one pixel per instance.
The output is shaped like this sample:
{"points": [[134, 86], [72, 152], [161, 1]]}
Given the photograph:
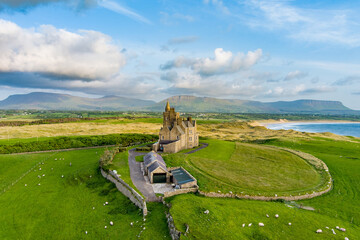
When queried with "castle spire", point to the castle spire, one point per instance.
{"points": [[167, 108]]}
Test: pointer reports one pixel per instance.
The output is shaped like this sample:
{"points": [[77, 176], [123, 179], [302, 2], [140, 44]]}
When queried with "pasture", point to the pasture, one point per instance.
{"points": [[43, 196]]}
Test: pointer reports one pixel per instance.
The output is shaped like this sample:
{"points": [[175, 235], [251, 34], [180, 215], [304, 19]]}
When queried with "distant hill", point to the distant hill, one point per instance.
{"points": [[206, 104], [54, 101]]}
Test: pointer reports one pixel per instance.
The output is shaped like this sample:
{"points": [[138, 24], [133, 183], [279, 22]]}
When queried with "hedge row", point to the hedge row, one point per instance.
{"points": [[78, 142]]}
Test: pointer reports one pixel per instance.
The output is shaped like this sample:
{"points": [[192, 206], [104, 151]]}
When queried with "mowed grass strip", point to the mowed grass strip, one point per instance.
{"points": [[249, 169], [54, 207]]}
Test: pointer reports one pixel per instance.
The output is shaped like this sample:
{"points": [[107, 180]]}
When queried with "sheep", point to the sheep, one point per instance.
{"points": [[319, 231], [289, 223], [276, 215], [333, 231], [243, 225], [111, 223], [261, 225], [250, 224], [206, 211]]}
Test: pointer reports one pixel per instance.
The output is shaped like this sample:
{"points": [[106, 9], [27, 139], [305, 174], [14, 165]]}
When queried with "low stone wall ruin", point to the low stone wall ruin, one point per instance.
{"points": [[125, 189], [180, 191]]}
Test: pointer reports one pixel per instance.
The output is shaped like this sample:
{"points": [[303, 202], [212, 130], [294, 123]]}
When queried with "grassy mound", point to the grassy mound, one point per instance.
{"points": [[66, 207], [249, 169]]}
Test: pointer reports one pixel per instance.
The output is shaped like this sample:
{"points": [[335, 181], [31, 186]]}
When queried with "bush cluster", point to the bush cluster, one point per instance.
{"points": [[56, 143], [107, 158]]}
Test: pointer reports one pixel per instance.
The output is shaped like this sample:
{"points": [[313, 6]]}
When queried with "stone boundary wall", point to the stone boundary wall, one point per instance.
{"points": [[174, 233], [264, 198], [125, 189], [180, 191]]}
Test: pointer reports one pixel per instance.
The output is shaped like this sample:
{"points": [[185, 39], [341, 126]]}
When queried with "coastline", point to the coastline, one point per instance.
{"points": [[265, 123]]}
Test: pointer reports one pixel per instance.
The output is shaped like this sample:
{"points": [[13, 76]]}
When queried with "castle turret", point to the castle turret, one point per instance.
{"points": [[167, 108]]}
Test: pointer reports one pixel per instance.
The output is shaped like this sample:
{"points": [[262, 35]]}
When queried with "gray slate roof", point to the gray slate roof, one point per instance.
{"points": [[181, 176], [154, 166], [152, 158]]}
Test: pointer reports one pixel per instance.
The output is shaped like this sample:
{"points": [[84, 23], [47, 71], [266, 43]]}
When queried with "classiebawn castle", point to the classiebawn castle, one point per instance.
{"points": [[177, 133]]}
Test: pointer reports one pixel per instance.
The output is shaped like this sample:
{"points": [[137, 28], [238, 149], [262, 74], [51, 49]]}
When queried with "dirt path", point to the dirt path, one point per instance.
{"points": [[138, 178]]}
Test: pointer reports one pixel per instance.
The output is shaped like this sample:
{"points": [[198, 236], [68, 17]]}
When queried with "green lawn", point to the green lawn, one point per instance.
{"points": [[139, 158], [249, 169], [62, 208]]}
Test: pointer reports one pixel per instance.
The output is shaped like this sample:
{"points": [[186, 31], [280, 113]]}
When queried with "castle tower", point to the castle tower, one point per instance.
{"points": [[169, 116]]}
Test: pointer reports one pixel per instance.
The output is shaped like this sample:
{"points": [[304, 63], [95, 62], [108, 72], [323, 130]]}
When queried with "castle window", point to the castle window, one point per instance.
{"points": [[190, 131], [177, 137], [190, 138], [162, 137]]}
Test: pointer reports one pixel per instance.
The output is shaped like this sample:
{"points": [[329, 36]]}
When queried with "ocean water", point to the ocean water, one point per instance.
{"points": [[346, 129]]}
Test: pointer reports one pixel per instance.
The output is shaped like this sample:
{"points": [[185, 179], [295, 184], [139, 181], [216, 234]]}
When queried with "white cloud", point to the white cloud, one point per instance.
{"points": [[180, 40], [219, 5], [189, 83], [223, 62], [48, 50], [116, 7], [295, 75], [306, 24], [300, 89]]}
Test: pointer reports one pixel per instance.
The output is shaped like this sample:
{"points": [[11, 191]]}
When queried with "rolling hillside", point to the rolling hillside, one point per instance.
{"points": [[205, 104], [54, 101]]}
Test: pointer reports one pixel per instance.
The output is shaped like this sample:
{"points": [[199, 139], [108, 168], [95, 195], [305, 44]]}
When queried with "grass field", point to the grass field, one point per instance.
{"points": [[248, 169], [226, 217], [339, 207], [41, 204], [343, 160]]}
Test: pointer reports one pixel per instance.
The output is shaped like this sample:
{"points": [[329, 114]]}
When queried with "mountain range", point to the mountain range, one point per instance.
{"points": [[183, 103]]}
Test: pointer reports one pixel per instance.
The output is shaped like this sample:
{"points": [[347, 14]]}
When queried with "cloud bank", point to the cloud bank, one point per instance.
{"points": [[48, 50], [222, 62]]}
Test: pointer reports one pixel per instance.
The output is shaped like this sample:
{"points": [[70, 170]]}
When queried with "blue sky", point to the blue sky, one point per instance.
{"points": [[251, 49]]}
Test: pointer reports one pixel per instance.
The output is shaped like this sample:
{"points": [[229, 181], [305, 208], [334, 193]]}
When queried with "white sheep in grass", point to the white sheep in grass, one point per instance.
{"points": [[261, 225], [319, 231], [111, 223]]}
